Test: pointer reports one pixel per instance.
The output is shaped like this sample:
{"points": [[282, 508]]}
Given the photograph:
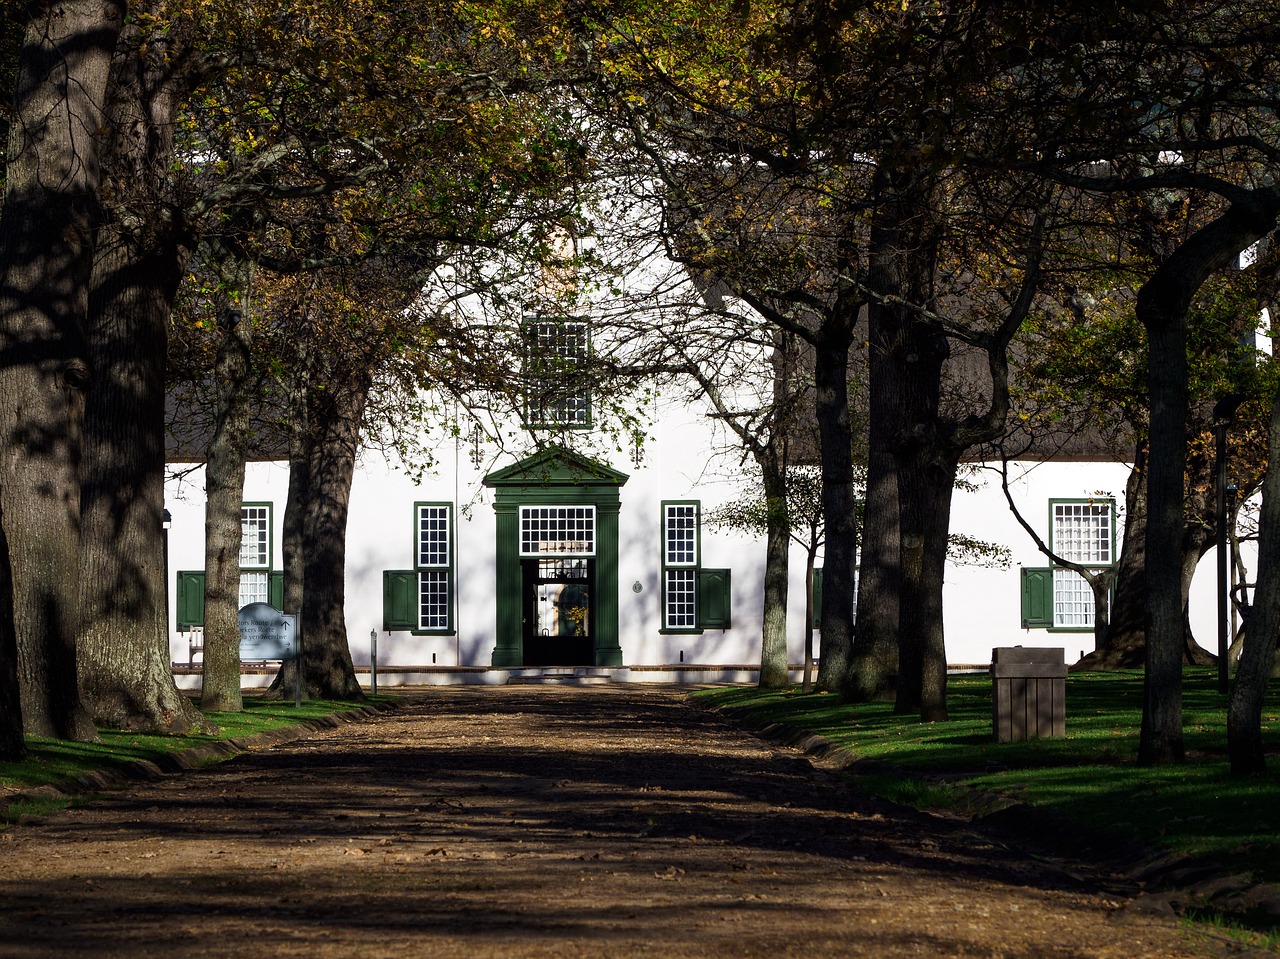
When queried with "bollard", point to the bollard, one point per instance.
{"points": [[373, 662]]}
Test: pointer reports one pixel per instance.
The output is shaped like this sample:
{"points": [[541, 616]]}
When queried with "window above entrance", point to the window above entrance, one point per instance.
{"points": [[557, 530], [557, 391]]}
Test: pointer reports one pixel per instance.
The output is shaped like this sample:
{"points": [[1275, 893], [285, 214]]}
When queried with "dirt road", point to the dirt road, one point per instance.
{"points": [[538, 822]]}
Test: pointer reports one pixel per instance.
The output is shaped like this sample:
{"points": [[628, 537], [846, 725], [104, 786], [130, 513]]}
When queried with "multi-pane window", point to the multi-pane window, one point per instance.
{"points": [[680, 599], [680, 565], [1082, 532], [255, 553], [434, 550], [680, 542], [255, 587], [557, 530], [1072, 600], [557, 389], [255, 536]]}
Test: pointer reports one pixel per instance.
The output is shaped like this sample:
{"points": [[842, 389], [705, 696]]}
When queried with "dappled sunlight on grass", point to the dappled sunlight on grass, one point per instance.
{"points": [[1089, 775], [52, 760]]}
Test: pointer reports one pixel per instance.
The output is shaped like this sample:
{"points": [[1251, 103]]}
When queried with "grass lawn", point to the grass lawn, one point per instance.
{"points": [[50, 761], [1088, 776]]}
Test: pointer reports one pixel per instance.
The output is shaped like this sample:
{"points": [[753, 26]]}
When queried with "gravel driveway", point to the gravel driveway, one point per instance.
{"points": [[539, 821]]}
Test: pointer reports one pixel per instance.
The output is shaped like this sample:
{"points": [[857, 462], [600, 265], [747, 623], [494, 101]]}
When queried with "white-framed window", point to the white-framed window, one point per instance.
{"points": [[255, 536], [680, 599], [1084, 532], [680, 556], [434, 552], [255, 553], [557, 530], [680, 534], [255, 587], [1072, 600], [557, 387]]}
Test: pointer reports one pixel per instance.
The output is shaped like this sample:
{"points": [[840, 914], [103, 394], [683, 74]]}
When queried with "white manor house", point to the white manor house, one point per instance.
{"points": [[583, 554]]}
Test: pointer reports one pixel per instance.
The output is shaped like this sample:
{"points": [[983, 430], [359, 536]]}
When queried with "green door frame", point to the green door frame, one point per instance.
{"points": [[555, 477]]}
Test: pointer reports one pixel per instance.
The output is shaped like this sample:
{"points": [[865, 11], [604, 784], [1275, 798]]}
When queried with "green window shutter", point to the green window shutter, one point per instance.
{"points": [[275, 590], [399, 599], [190, 600], [714, 598], [1037, 597], [817, 597]]}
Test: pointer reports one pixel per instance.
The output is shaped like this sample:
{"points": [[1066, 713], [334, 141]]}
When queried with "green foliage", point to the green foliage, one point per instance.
{"points": [[750, 512], [965, 550], [1087, 776]]}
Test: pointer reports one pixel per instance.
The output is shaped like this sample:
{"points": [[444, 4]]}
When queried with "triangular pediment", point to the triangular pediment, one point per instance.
{"points": [[556, 466]]}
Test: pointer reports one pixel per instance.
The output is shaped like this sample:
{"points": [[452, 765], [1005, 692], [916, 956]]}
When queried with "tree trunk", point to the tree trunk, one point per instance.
{"points": [[125, 666], [334, 420], [1161, 307], [1244, 709], [282, 686], [224, 495], [51, 214], [831, 383], [774, 673], [873, 672], [806, 683], [908, 353], [926, 520], [285, 681], [12, 745], [1161, 738], [1124, 644], [1197, 540], [927, 478]]}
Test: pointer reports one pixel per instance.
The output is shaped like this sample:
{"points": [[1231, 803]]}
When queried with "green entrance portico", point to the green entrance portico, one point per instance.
{"points": [[557, 561]]}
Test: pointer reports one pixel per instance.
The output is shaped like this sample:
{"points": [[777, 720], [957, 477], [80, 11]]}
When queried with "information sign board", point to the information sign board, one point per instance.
{"points": [[267, 633]]}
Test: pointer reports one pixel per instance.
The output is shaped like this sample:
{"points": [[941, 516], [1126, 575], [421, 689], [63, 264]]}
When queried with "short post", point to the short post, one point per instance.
{"points": [[298, 680], [373, 662]]}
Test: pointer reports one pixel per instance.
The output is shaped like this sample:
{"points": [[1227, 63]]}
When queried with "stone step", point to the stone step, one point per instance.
{"points": [[560, 675]]}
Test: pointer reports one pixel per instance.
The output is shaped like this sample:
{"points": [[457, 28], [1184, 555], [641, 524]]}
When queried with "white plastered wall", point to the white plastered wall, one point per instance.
{"points": [[982, 606]]}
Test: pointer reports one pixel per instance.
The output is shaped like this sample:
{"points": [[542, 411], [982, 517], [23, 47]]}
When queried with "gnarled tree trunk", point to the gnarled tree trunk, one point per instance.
{"points": [[334, 418], [1257, 658], [51, 214], [831, 384], [873, 670], [283, 686], [125, 667], [774, 672], [124, 650], [224, 495]]}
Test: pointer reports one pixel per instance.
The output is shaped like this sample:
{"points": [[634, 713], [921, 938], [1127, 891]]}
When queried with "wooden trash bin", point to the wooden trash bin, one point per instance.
{"points": [[1029, 693]]}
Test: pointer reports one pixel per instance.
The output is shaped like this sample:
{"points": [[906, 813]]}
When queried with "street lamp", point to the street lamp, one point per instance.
{"points": [[1224, 412]]}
